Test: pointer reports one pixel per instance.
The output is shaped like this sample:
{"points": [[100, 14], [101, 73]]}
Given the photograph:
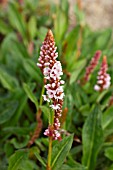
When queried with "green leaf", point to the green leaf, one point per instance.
{"points": [[29, 165], [32, 27], [18, 49], [70, 43], [8, 111], [18, 144], [80, 15], [104, 39], [60, 25], [110, 168], [18, 130], [75, 167], [60, 151], [92, 138], [45, 110], [4, 28], [36, 153], [80, 65], [69, 103], [42, 31], [109, 153], [22, 101], [8, 148], [16, 19], [17, 159], [30, 94], [8, 81], [32, 70], [65, 6], [107, 117]]}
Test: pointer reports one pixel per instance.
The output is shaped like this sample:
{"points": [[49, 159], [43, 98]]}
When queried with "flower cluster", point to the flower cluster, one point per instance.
{"points": [[92, 65], [103, 79], [52, 71]]}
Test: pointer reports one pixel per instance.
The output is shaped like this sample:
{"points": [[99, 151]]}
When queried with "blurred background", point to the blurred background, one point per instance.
{"points": [[99, 13]]}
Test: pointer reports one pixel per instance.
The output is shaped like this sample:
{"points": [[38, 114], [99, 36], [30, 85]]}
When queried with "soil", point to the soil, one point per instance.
{"points": [[99, 13]]}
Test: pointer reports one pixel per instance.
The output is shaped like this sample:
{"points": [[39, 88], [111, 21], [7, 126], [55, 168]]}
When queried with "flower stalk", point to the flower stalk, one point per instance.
{"points": [[52, 71]]}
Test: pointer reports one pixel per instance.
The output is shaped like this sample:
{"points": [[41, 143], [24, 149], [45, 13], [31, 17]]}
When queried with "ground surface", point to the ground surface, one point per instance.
{"points": [[99, 13]]}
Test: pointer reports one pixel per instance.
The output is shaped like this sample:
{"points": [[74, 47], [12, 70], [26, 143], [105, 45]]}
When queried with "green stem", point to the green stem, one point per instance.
{"points": [[49, 154], [42, 92], [51, 121]]}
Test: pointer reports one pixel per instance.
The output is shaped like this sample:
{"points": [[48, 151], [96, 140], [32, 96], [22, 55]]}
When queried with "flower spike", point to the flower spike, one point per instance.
{"points": [[103, 79], [92, 65], [52, 71]]}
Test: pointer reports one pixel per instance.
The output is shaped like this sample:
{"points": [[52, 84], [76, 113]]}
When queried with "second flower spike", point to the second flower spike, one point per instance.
{"points": [[103, 79]]}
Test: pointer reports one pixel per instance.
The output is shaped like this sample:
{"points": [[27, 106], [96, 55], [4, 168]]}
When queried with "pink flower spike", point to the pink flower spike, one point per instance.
{"points": [[92, 65], [103, 79], [52, 71]]}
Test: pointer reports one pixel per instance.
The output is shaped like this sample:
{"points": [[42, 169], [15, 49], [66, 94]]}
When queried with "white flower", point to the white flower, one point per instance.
{"points": [[100, 81], [55, 107], [46, 132], [96, 87], [59, 89], [47, 86], [39, 65], [46, 98], [106, 86], [46, 64], [57, 134], [62, 82], [108, 78], [56, 71], [60, 96], [53, 85], [51, 93], [46, 71]]}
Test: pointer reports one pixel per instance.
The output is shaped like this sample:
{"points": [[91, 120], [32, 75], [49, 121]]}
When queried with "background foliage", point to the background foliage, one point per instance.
{"points": [[86, 113]]}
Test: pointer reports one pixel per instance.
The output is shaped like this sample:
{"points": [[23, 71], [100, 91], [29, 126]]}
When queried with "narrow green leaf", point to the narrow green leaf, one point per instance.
{"points": [[92, 138], [22, 101], [30, 94], [109, 153], [9, 82], [8, 111], [110, 168], [21, 144], [75, 167], [32, 27], [79, 15], [45, 110], [17, 159], [18, 130], [42, 31], [60, 25], [36, 153], [70, 43], [80, 65], [65, 6], [60, 151], [32, 70], [4, 28], [16, 19], [107, 117], [29, 165]]}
